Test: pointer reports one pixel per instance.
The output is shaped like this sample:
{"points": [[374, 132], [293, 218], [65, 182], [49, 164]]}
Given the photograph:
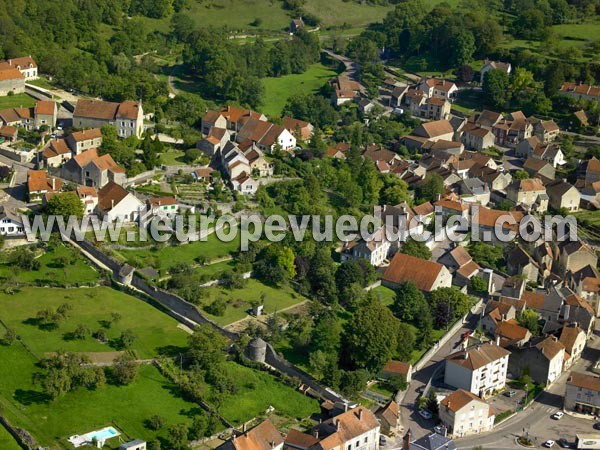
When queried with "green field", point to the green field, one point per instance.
{"points": [[52, 271], [169, 256], [386, 295], [580, 31], [16, 101], [172, 158], [91, 307], [239, 300], [7, 442], [259, 390], [278, 90]]}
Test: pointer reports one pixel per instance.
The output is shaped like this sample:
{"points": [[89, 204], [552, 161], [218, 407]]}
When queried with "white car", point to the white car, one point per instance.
{"points": [[558, 415], [548, 444], [425, 414]]}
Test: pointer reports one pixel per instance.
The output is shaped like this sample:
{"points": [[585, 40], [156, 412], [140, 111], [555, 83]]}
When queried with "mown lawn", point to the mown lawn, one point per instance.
{"points": [[172, 157], [91, 307], [386, 295], [16, 101], [53, 271], [278, 90], [7, 442], [582, 31], [347, 14], [240, 300], [257, 390]]}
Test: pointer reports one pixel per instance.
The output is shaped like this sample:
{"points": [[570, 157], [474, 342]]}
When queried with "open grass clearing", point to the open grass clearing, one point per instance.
{"points": [[54, 269], [240, 300], [93, 308], [16, 101], [7, 442], [279, 89]]}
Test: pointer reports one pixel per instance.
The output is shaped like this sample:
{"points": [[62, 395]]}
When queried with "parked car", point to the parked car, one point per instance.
{"points": [[597, 426], [382, 440], [425, 414], [558, 415], [549, 443], [466, 335], [565, 444], [510, 394]]}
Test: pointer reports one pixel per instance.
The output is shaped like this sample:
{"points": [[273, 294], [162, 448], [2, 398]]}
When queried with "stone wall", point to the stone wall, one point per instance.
{"points": [[16, 86]]}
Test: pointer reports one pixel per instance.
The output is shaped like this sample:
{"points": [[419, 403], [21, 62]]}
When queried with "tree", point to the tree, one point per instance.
{"points": [[10, 335], [127, 339], [529, 319], [199, 427], [206, 348], [486, 254], [156, 422], [24, 258], [496, 84], [520, 175], [398, 382], [448, 303], [408, 302], [431, 188], [478, 284], [178, 436], [465, 73], [81, 332], [65, 204], [370, 338], [125, 368], [416, 248], [462, 48]]}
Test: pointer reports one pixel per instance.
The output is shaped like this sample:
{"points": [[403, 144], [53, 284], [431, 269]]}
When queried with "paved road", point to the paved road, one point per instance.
{"points": [[351, 67], [408, 412]]}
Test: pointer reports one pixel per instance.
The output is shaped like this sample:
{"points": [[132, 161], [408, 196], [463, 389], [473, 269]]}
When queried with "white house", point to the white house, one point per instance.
{"points": [[115, 203], [463, 414], [89, 197], [375, 249], [491, 65], [480, 370], [583, 393], [245, 184], [10, 224]]}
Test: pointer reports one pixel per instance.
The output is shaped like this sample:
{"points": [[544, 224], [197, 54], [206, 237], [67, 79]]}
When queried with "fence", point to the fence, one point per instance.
{"points": [[142, 177]]}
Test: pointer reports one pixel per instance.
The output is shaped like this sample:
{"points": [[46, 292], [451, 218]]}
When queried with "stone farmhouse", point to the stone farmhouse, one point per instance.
{"points": [[127, 117]]}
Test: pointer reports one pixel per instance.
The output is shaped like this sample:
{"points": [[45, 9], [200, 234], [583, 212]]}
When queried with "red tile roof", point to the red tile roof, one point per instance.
{"points": [[421, 272]]}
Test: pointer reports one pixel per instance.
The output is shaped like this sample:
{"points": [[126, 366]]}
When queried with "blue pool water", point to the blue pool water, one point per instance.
{"points": [[105, 433]]}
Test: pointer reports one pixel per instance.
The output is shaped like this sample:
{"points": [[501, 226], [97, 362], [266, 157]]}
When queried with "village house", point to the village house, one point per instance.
{"points": [[11, 223], [545, 130], [259, 165], [115, 203], [355, 429], [429, 131], [477, 138], [375, 249], [89, 197], [573, 340], [397, 97], [39, 184], [431, 441], [530, 193], [451, 208], [487, 119], [266, 136], [127, 117], [233, 161], [344, 90], [45, 112], [480, 369], [453, 148], [296, 24], [463, 413], [163, 206], [136, 444], [563, 195], [245, 184], [543, 358], [435, 87], [495, 313], [573, 256], [461, 264], [9, 133], [81, 141], [510, 334], [24, 64], [512, 130], [389, 418], [494, 65], [519, 262], [496, 180], [592, 171], [90, 169], [263, 436], [301, 129], [582, 394], [397, 368], [586, 283], [11, 80], [537, 168], [580, 91], [203, 174], [426, 275], [56, 153]]}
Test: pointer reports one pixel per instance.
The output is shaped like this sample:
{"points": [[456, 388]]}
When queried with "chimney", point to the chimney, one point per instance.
{"points": [[244, 427], [466, 355], [359, 413], [112, 203], [337, 424], [53, 183], [498, 341], [316, 434]]}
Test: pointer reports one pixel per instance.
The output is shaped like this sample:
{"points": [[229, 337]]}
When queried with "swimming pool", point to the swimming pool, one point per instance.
{"points": [[98, 436]]}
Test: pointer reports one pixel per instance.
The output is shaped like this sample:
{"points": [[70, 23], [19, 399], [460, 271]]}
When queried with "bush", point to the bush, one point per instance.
{"points": [[217, 307]]}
